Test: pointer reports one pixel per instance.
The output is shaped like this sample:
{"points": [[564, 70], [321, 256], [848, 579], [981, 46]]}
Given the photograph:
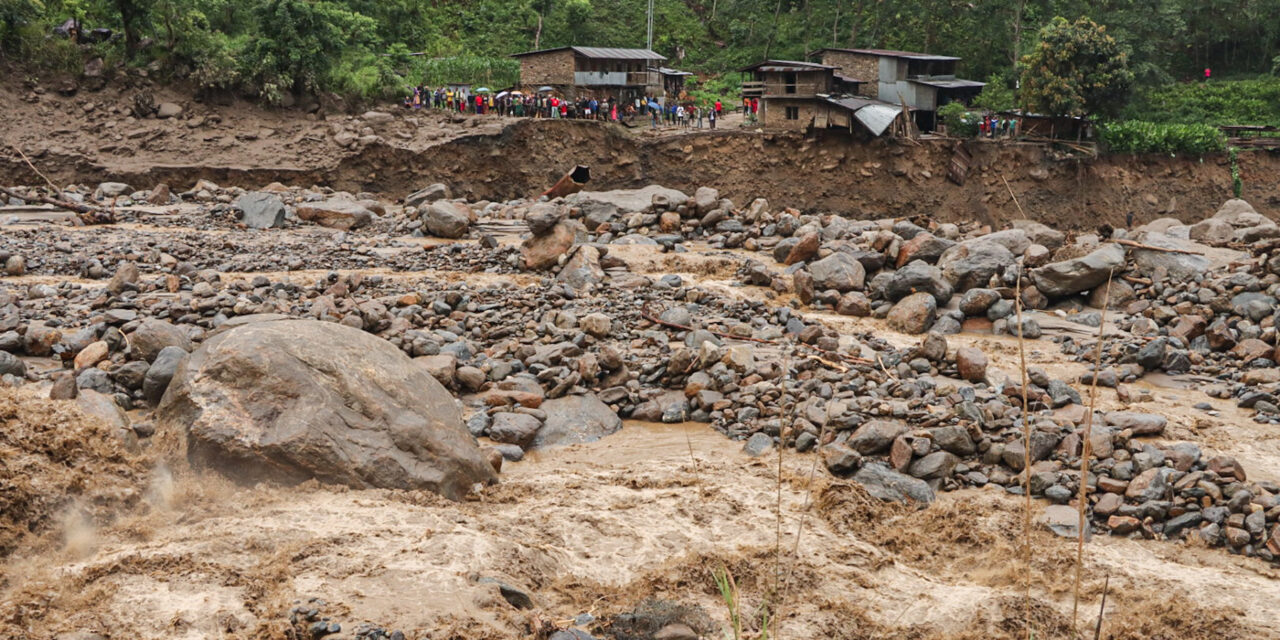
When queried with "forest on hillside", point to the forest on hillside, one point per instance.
{"points": [[372, 47]]}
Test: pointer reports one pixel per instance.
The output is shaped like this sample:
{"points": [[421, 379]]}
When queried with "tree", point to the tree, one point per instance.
{"points": [[1076, 70]]}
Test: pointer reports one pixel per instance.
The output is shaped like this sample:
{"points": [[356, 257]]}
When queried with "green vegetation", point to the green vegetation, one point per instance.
{"points": [[1077, 69], [1218, 102], [1237, 183], [996, 96], [1136, 136], [960, 122]]}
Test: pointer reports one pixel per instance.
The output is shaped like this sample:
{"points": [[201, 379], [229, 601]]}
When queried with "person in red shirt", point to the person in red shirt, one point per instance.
{"points": [[555, 107], [479, 104], [719, 109]]}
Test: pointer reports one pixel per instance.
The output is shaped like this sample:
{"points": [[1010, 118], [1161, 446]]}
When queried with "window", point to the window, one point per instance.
{"points": [[793, 113], [790, 80]]}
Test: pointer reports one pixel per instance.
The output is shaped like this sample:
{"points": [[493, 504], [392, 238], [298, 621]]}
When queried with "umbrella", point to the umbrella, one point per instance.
{"points": [[481, 90], [502, 93], [545, 89], [654, 105], [517, 93]]}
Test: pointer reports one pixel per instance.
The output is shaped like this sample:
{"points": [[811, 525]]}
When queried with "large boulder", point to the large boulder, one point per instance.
{"points": [[336, 213], [886, 484], [544, 251], [1041, 234], [1178, 266], [582, 269], [919, 276], [839, 271], [632, 200], [292, 400], [1064, 278], [575, 419], [972, 264], [261, 210], [427, 195], [1240, 214], [446, 219], [913, 314], [153, 335]]}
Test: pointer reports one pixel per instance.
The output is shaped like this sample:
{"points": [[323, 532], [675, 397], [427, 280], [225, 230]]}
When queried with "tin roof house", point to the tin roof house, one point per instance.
{"points": [[595, 71], [921, 81], [801, 96]]}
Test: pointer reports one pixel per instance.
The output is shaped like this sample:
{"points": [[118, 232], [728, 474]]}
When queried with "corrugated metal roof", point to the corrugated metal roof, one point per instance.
{"points": [[951, 84], [875, 115], [672, 72], [602, 53], [775, 66], [847, 79], [890, 53]]}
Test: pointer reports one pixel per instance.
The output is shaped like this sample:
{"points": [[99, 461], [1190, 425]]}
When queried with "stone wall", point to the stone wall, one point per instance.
{"points": [[859, 66], [773, 114], [553, 68]]}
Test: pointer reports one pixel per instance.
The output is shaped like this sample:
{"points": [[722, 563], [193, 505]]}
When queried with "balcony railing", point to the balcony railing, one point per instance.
{"points": [[615, 78]]}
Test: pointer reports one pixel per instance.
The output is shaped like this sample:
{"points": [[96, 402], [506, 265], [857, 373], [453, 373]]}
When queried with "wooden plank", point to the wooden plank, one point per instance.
{"points": [[958, 169]]}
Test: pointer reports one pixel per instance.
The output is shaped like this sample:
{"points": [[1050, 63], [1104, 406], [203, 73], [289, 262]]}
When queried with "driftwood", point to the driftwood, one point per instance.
{"points": [[87, 214], [1148, 247]]}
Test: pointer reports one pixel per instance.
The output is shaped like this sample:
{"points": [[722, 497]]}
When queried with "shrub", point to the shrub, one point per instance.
{"points": [[1135, 136], [1220, 102], [960, 122]]}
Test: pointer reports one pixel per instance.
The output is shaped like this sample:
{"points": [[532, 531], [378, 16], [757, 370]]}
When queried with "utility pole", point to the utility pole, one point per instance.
{"points": [[649, 40]]}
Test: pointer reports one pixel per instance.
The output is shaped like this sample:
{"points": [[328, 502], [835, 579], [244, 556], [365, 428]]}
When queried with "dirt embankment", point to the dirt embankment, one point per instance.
{"points": [[93, 137]]}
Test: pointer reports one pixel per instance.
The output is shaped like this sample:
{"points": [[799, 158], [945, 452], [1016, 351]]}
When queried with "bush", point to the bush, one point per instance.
{"points": [[960, 122], [1135, 136], [1219, 102], [996, 96]]}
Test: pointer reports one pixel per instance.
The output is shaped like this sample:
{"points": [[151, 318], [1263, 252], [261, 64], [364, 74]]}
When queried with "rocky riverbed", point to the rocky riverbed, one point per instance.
{"points": [[220, 332]]}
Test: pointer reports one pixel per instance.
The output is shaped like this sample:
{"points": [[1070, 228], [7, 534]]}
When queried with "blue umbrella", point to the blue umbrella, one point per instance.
{"points": [[654, 105]]}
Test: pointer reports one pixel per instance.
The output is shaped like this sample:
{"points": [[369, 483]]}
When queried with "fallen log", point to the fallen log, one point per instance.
{"points": [[1148, 247], [87, 214]]}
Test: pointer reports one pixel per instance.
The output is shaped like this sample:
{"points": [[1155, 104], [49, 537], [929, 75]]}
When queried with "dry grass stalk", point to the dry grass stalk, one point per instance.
{"points": [[1102, 610], [1086, 448], [1026, 457]]}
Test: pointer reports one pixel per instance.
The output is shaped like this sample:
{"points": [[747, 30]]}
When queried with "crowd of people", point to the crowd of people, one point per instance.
{"points": [[685, 114], [993, 126]]}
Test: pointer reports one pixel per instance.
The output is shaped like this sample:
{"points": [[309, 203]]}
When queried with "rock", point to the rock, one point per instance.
{"points": [[886, 484], [11, 365], [64, 387], [875, 436], [444, 219], [1226, 467], [575, 419], [839, 271], [583, 269], [261, 210], [935, 466], [954, 439], [1042, 444], [1141, 424], [125, 276], [632, 200], [919, 277], [544, 251], [299, 399], [442, 367], [596, 324], [758, 444], [168, 110], [676, 630], [514, 428], [1178, 266], [1062, 520], [15, 266], [1120, 294], [1064, 278], [840, 458], [968, 265], [108, 190], [1041, 234], [335, 213], [705, 199], [972, 364], [975, 302], [805, 248], [39, 339], [854, 303], [924, 246], [1212, 231], [1239, 214], [152, 335], [542, 216], [1151, 484], [913, 314], [427, 195], [93, 354], [470, 378]]}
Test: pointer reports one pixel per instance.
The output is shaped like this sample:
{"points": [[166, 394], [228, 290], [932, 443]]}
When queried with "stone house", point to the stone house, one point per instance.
{"points": [[598, 72], [788, 91], [923, 81]]}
